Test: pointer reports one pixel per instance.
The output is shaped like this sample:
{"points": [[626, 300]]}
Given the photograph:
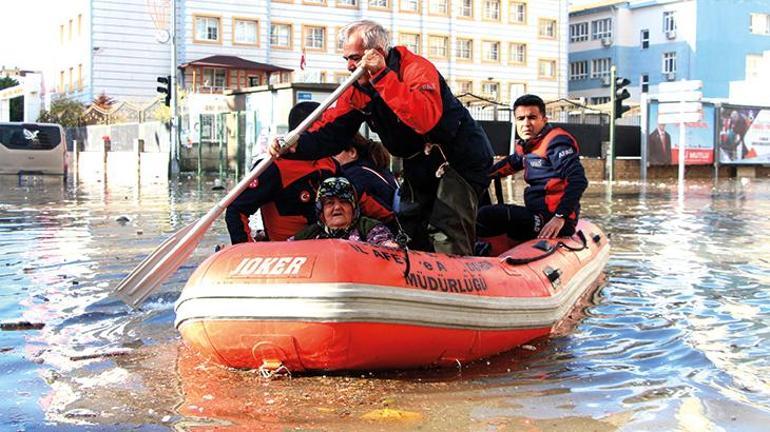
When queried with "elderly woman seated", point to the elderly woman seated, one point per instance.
{"points": [[339, 217]]}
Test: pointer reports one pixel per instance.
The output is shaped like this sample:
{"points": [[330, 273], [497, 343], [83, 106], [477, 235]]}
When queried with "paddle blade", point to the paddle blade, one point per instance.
{"points": [[158, 266]]}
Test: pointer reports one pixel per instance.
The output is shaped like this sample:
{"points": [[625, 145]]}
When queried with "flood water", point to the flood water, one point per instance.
{"points": [[676, 338]]}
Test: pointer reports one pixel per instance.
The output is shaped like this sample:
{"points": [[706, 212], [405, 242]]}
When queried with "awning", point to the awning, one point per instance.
{"points": [[233, 62]]}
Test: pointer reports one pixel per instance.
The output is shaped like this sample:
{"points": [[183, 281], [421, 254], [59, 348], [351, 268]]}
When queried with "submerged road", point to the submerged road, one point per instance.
{"points": [[676, 338]]}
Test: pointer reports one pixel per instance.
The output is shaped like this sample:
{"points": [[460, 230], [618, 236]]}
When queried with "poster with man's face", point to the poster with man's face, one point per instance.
{"points": [[744, 135], [663, 139]]}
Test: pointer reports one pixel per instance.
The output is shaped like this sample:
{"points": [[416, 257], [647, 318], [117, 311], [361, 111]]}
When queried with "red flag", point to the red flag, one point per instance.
{"points": [[302, 61]]}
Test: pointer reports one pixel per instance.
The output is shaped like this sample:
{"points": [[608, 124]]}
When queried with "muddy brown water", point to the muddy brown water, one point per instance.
{"points": [[675, 338]]}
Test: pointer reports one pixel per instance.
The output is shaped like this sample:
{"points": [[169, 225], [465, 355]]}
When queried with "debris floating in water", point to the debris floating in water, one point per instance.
{"points": [[104, 354], [20, 325]]}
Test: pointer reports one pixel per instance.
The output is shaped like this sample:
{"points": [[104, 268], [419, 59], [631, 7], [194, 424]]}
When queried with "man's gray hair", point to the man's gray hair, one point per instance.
{"points": [[373, 34]]}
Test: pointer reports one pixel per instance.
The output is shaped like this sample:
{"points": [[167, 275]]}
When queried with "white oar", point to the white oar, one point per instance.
{"points": [[173, 252]]}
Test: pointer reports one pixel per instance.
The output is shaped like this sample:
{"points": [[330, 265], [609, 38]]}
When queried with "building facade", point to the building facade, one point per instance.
{"points": [[493, 48], [654, 41]]}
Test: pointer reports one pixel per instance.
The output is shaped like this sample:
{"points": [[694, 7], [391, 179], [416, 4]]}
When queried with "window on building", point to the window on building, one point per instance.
{"points": [[409, 5], [517, 89], [490, 50], [600, 68], [644, 82], [80, 77], [70, 86], [760, 24], [492, 10], [578, 70], [438, 46], [601, 29], [669, 21], [315, 38], [214, 78], [280, 35], [491, 89], [669, 62], [338, 39], [753, 66], [578, 32], [411, 41], [61, 34], [464, 49], [245, 32], [69, 31], [464, 86], [379, 4], [314, 2], [347, 3], [80, 24], [61, 82], [439, 7], [517, 12], [644, 37], [546, 69], [253, 81], [517, 53], [207, 29], [546, 28], [598, 100], [466, 9]]}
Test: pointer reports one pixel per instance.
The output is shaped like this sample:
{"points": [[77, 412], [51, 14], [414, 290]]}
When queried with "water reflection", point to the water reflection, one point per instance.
{"points": [[676, 338]]}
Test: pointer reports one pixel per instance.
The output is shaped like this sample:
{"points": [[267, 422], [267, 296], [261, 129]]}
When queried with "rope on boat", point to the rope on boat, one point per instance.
{"points": [[550, 251]]}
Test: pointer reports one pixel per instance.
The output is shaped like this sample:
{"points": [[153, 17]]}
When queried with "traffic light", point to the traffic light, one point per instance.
{"points": [[166, 88], [621, 94]]}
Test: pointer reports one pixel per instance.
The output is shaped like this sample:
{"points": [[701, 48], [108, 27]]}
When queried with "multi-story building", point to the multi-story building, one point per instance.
{"points": [[494, 48], [654, 41]]}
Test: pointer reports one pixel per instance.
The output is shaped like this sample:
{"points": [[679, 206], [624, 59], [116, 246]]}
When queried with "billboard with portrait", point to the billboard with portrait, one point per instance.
{"points": [[663, 138], [744, 135]]}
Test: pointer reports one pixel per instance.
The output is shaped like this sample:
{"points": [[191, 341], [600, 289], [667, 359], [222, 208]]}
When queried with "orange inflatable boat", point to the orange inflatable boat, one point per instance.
{"points": [[321, 305]]}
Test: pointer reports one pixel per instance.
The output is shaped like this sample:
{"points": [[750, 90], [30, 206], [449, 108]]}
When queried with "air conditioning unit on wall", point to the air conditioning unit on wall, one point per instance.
{"points": [[671, 34], [606, 41], [606, 81], [670, 76]]}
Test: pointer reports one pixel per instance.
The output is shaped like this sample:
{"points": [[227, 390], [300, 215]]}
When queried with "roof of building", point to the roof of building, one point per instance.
{"points": [[233, 62], [602, 4]]}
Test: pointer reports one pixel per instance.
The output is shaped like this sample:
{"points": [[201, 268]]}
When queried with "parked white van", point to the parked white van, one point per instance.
{"points": [[32, 148]]}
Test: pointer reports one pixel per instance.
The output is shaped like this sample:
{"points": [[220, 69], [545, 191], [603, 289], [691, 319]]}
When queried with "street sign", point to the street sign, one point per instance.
{"points": [[680, 86], [304, 96], [680, 96], [688, 117], [679, 107]]}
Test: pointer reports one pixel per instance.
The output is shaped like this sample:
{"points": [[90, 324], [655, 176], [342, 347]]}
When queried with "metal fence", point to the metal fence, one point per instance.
{"points": [[155, 134]]}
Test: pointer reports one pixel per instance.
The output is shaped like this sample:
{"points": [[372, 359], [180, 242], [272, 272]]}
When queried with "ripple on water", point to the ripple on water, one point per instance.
{"points": [[678, 337]]}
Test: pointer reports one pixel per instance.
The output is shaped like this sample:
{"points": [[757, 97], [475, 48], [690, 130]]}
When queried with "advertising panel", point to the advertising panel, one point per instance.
{"points": [[663, 138], [744, 135]]}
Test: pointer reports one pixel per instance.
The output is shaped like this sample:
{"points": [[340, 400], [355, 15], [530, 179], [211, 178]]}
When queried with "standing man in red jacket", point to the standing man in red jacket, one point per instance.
{"points": [[405, 100], [550, 159]]}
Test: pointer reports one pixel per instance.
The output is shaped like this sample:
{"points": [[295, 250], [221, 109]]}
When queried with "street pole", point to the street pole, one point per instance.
{"points": [[174, 154], [610, 162]]}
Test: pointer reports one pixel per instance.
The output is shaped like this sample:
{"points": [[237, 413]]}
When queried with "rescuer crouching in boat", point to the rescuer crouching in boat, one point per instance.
{"points": [[550, 158], [339, 217]]}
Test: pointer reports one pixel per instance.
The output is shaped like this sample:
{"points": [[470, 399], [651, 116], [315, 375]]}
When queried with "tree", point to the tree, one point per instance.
{"points": [[15, 105], [64, 111], [6, 82]]}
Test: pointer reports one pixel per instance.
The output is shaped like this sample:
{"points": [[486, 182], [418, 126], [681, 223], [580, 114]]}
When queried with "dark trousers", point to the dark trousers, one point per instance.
{"points": [[518, 222], [439, 215]]}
